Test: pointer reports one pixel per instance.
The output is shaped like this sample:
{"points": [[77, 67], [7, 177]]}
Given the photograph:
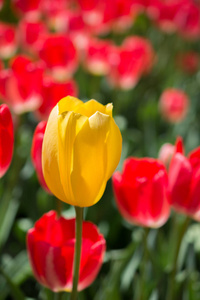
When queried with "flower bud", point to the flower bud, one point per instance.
{"points": [[81, 149]]}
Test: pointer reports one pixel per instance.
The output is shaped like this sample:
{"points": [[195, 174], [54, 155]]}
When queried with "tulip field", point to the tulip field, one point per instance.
{"points": [[100, 149]]}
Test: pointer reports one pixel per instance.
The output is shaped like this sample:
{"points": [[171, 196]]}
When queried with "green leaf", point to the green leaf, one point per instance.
{"points": [[15, 291], [17, 268]]}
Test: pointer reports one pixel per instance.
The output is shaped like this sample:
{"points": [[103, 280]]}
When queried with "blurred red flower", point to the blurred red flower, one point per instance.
{"points": [[31, 34], [20, 86], [141, 192], [60, 56], [36, 153], [165, 154], [8, 40], [31, 8], [51, 251], [174, 105], [184, 181], [96, 59], [6, 138], [188, 20], [130, 61], [188, 62], [51, 92]]}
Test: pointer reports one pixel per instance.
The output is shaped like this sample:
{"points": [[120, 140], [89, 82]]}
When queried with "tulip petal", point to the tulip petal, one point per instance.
{"points": [[92, 106], [94, 261], [114, 148], [90, 157], [50, 164], [69, 125], [180, 175], [68, 103]]}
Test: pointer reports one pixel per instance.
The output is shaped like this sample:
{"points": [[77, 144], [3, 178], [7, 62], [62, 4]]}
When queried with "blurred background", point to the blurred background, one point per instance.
{"points": [[125, 52]]}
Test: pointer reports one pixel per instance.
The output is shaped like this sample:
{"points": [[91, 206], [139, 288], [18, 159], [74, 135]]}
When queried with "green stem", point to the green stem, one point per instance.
{"points": [[77, 257], [171, 285], [58, 207], [144, 263]]}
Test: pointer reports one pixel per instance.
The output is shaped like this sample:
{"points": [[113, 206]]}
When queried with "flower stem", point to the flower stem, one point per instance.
{"points": [[144, 263], [58, 207], [77, 257], [171, 286]]}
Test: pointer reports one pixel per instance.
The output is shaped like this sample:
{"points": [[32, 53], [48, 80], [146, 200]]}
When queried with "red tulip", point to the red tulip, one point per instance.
{"points": [[51, 252], [96, 58], [130, 61], [32, 34], [36, 153], [20, 86], [79, 31], [165, 154], [51, 8], [188, 62], [173, 105], [6, 138], [141, 192], [8, 40], [97, 14], [164, 13], [29, 7], [188, 20], [184, 182], [52, 91], [60, 56], [123, 14]]}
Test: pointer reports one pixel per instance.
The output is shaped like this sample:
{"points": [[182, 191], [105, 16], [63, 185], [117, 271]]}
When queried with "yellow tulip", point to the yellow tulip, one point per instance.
{"points": [[81, 149]]}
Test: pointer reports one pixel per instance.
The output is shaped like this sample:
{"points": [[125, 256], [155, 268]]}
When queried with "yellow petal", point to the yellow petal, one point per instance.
{"points": [[50, 156], [109, 108], [90, 107], [89, 160], [69, 125], [114, 148], [68, 103]]}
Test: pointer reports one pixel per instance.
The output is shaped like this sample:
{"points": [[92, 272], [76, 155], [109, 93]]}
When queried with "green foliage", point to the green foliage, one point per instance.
{"points": [[137, 265]]}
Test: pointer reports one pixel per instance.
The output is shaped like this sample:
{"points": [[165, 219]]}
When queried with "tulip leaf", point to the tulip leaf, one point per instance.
{"points": [[17, 268], [7, 220], [14, 289]]}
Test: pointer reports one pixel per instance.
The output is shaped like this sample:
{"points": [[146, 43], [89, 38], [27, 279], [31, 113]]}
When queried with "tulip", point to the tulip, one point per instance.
{"points": [[96, 58], [29, 8], [50, 247], [51, 8], [60, 56], [51, 92], [164, 13], [8, 40], [188, 20], [141, 192], [81, 149], [130, 62], [32, 34], [20, 86], [6, 138], [184, 182], [173, 105], [97, 14], [78, 31], [165, 154], [188, 62], [36, 152]]}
